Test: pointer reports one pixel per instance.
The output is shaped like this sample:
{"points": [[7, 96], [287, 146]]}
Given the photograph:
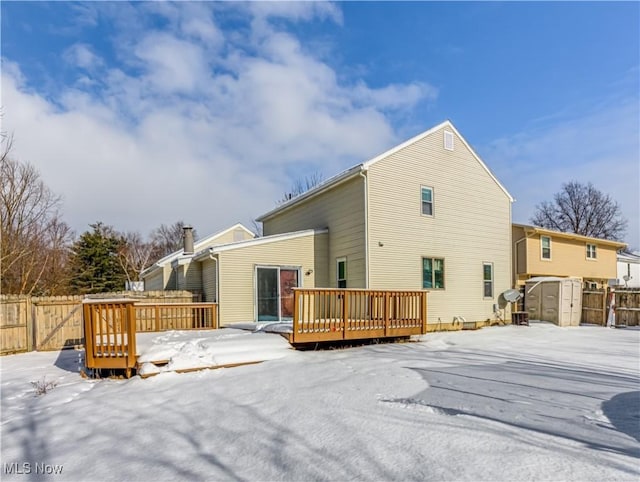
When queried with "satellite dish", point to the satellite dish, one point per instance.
{"points": [[512, 295]]}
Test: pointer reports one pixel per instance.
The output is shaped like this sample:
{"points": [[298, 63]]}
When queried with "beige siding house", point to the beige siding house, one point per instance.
{"points": [[543, 252], [256, 276], [176, 272], [427, 214]]}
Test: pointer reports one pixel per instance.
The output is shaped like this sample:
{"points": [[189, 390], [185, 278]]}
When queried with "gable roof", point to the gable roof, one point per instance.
{"points": [[573, 236], [203, 254], [198, 246], [364, 166]]}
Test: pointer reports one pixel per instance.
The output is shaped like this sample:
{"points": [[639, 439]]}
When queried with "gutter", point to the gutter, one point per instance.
{"points": [[329, 184]]}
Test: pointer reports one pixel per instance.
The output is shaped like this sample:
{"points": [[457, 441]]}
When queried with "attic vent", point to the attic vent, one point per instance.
{"points": [[448, 140]]}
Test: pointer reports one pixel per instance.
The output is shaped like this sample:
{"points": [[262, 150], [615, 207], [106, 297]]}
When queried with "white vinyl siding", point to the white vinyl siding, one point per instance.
{"points": [[341, 209], [472, 224]]}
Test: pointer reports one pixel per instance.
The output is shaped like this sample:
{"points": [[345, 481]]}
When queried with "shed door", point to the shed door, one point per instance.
{"points": [[576, 313]]}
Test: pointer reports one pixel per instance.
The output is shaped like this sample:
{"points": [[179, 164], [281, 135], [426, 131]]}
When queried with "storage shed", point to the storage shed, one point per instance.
{"points": [[553, 299]]}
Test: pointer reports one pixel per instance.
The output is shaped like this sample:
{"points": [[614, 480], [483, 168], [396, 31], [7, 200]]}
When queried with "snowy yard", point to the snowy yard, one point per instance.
{"points": [[508, 403]]}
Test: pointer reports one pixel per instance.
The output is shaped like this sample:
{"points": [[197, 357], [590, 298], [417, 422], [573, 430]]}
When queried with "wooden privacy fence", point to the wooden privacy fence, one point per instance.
{"points": [[594, 307], [348, 314], [627, 307], [55, 322]]}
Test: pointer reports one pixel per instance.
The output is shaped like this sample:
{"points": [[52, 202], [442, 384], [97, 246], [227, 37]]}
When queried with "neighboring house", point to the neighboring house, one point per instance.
{"points": [[177, 271], [427, 214], [628, 270], [543, 252]]}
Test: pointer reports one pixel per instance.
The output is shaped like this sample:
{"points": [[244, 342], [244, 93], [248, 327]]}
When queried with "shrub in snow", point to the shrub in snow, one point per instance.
{"points": [[43, 386]]}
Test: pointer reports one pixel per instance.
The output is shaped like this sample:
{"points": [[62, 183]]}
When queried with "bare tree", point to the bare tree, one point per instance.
{"points": [[34, 239], [582, 209], [134, 255], [168, 239], [302, 185]]}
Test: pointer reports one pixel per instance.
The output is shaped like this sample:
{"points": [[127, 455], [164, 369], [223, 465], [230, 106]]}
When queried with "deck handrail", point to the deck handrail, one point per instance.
{"points": [[325, 314]]}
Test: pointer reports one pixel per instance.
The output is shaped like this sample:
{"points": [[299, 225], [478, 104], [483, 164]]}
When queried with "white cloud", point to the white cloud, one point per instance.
{"points": [[196, 123], [81, 55], [600, 147]]}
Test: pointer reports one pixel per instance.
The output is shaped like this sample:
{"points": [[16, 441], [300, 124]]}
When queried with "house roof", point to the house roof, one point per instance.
{"points": [[199, 256], [364, 166], [574, 236], [629, 258], [198, 245]]}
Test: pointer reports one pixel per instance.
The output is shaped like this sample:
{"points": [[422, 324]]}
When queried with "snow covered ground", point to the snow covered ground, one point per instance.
{"points": [[508, 403]]}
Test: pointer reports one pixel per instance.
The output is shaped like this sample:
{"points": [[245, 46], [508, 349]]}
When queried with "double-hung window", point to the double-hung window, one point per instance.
{"points": [[591, 251], [341, 272], [427, 200], [487, 274], [433, 273], [545, 243]]}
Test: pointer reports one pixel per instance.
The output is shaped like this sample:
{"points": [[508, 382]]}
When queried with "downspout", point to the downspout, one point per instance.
{"points": [[363, 174]]}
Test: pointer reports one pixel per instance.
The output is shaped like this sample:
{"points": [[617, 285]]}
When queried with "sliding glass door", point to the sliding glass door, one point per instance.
{"points": [[274, 292]]}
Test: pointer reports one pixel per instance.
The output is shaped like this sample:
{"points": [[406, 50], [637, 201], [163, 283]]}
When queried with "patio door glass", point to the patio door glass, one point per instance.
{"points": [[274, 296]]}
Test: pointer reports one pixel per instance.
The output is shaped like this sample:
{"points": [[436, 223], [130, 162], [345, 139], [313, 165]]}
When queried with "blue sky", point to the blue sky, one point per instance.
{"points": [[145, 113]]}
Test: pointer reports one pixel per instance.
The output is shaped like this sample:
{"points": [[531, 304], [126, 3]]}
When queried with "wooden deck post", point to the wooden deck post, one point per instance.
{"points": [[424, 312], [345, 313], [387, 307], [296, 314]]}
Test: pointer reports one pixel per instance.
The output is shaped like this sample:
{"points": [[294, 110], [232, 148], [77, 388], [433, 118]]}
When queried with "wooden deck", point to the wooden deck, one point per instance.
{"points": [[322, 315], [110, 327]]}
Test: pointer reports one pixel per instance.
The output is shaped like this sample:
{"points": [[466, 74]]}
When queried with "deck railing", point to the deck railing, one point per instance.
{"points": [[110, 334], [176, 316], [110, 327], [340, 314]]}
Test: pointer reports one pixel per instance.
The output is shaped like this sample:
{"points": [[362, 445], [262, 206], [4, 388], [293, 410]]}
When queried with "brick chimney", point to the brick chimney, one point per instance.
{"points": [[187, 239]]}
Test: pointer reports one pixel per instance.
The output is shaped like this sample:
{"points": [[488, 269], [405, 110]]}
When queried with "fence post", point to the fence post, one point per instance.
{"points": [[31, 321]]}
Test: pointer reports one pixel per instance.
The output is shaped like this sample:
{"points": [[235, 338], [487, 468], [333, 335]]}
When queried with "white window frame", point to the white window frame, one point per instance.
{"points": [[484, 281], [542, 248], [342, 259], [595, 251], [277, 267], [433, 273], [448, 140], [433, 207]]}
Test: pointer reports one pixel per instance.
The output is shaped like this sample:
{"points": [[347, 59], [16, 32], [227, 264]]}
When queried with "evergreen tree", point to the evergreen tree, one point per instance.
{"points": [[94, 261]]}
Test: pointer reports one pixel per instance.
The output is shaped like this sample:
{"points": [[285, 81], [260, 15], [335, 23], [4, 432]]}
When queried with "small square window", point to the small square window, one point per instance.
{"points": [[427, 201], [545, 243], [591, 251], [433, 273]]}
